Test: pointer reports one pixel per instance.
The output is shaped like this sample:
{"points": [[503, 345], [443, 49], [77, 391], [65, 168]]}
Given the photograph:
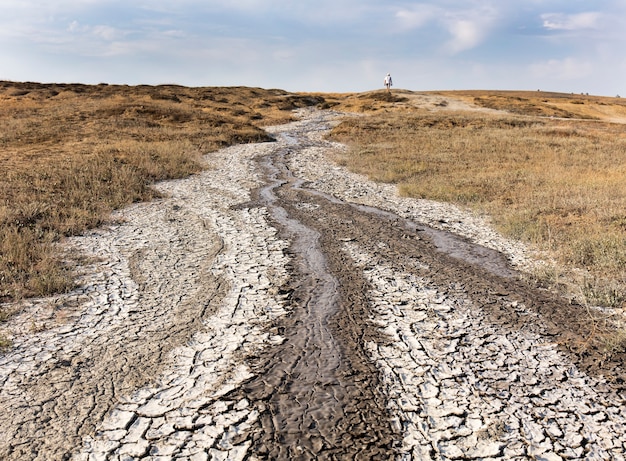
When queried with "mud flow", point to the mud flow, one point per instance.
{"points": [[279, 307], [320, 390]]}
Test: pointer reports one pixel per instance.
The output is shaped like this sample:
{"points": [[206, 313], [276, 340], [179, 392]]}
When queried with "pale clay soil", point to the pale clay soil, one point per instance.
{"points": [[277, 306]]}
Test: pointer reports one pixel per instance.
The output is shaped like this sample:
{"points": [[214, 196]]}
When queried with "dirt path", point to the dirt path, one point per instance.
{"points": [[279, 307]]}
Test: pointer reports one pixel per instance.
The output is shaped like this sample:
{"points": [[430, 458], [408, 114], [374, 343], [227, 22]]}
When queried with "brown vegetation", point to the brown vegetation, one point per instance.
{"points": [[548, 168], [71, 153], [556, 183], [547, 104]]}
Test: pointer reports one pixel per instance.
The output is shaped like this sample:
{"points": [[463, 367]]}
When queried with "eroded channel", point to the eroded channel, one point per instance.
{"points": [[318, 318], [320, 389], [322, 393], [467, 354]]}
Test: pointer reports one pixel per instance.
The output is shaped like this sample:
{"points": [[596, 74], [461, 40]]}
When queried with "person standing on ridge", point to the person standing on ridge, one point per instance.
{"points": [[388, 82]]}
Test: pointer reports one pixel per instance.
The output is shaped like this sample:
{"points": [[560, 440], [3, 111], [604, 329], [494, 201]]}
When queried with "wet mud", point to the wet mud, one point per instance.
{"points": [[321, 391], [331, 318], [279, 307]]}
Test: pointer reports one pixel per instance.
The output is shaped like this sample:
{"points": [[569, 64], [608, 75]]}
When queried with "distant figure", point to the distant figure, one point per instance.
{"points": [[388, 82]]}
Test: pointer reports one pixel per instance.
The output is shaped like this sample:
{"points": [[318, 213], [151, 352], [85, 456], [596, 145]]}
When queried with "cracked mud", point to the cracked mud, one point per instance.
{"points": [[278, 307]]}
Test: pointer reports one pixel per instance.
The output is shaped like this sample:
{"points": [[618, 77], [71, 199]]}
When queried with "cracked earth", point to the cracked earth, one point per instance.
{"points": [[276, 306]]}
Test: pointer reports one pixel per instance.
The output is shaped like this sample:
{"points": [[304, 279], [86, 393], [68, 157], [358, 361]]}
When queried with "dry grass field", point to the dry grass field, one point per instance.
{"points": [[549, 168], [71, 153]]}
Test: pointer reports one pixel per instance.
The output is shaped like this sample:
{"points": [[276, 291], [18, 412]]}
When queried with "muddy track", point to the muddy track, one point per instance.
{"points": [[322, 394], [279, 307]]}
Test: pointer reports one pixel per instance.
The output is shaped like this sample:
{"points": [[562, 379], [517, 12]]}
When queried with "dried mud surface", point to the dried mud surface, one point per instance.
{"points": [[277, 306]]}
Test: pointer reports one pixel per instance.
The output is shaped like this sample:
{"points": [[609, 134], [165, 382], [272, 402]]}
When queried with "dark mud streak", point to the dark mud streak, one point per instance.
{"points": [[469, 271], [446, 242], [322, 399]]}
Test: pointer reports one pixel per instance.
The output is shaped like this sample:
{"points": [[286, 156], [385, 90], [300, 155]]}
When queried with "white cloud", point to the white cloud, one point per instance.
{"points": [[88, 40], [174, 33], [284, 55], [560, 21], [245, 4], [470, 28], [571, 68], [322, 45], [416, 16], [106, 33], [467, 26], [75, 27], [466, 34]]}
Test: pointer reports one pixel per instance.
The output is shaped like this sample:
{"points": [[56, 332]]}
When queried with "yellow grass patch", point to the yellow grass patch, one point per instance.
{"points": [[559, 184], [548, 167], [71, 153]]}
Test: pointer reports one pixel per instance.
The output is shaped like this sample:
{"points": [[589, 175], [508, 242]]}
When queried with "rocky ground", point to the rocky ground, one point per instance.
{"points": [[277, 306]]}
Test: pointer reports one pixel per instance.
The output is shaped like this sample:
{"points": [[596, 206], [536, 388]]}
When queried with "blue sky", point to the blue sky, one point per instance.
{"points": [[319, 45]]}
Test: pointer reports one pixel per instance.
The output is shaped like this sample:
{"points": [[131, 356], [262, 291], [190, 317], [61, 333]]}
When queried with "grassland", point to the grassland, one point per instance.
{"points": [[71, 153], [548, 168]]}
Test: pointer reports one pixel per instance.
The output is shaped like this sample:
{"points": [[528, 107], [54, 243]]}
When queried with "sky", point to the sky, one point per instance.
{"points": [[319, 45]]}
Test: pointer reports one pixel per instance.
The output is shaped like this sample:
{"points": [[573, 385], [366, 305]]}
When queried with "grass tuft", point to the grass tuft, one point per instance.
{"points": [[72, 153], [556, 184]]}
